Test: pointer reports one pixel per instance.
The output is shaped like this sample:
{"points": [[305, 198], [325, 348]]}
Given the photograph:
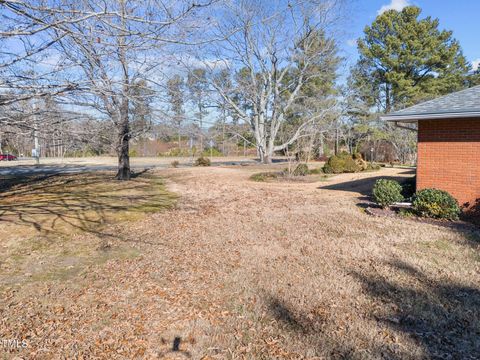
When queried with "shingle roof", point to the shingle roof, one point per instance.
{"points": [[460, 104]]}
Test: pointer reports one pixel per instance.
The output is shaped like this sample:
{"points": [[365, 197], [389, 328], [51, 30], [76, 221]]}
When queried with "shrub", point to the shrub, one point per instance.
{"points": [[436, 203], [334, 165], [175, 163], [212, 152], [346, 163], [261, 177], [373, 167], [301, 170], [387, 192], [316, 171], [202, 161], [350, 166], [344, 155]]}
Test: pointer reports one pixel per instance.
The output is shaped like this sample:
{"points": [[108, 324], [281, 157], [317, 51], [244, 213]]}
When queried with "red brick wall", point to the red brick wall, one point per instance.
{"points": [[449, 157]]}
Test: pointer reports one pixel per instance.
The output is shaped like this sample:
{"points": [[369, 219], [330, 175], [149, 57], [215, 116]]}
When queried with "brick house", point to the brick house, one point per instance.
{"points": [[448, 155]]}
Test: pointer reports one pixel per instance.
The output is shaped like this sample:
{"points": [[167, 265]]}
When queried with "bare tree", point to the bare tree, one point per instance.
{"points": [[273, 47], [101, 51]]}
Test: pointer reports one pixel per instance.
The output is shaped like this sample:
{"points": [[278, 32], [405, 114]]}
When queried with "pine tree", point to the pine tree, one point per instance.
{"points": [[405, 60]]}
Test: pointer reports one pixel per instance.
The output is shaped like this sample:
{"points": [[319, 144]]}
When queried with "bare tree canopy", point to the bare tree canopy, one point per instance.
{"points": [[273, 51], [100, 56]]}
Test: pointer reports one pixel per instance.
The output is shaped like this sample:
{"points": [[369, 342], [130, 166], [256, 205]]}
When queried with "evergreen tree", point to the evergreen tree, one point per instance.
{"points": [[474, 78], [405, 60]]}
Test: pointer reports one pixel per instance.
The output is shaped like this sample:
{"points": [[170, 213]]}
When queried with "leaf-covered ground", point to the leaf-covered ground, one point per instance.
{"points": [[241, 269]]}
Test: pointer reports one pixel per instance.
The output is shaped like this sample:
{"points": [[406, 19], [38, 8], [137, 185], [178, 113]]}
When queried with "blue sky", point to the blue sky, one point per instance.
{"points": [[460, 16]]}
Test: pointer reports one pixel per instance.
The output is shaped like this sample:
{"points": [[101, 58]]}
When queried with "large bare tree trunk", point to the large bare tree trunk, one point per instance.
{"points": [[123, 144], [123, 172]]}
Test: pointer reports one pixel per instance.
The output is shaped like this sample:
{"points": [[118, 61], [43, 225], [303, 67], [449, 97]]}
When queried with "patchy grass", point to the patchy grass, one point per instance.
{"points": [[77, 203], [54, 227]]}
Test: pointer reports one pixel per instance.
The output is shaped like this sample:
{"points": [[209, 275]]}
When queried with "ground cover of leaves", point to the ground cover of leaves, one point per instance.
{"points": [[241, 269]]}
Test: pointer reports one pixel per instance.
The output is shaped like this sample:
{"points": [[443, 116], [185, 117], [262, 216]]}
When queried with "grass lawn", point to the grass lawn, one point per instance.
{"points": [[230, 268], [53, 227]]}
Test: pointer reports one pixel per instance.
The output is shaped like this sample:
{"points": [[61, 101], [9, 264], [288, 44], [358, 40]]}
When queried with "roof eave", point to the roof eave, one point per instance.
{"points": [[433, 116]]}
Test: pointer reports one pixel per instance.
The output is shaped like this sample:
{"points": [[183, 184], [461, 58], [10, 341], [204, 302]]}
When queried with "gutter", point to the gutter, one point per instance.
{"points": [[430, 116]]}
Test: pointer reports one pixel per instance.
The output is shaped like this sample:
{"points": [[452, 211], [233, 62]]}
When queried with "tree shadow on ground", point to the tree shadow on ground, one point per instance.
{"points": [[442, 316], [84, 202], [364, 186], [297, 322], [310, 330]]}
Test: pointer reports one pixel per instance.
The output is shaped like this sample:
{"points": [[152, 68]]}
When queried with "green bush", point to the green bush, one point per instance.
{"points": [[387, 192], [202, 161], [334, 165], [347, 163], [301, 170], [436, 203]]}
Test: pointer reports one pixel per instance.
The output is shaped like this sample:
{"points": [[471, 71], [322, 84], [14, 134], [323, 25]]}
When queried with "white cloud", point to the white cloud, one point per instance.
{"points": [[394, 5], [352, 42], [476, 64]]}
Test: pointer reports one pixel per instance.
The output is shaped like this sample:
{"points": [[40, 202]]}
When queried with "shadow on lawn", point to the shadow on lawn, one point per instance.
{"points": [[442, 316], [64, 203], [364, 186]]}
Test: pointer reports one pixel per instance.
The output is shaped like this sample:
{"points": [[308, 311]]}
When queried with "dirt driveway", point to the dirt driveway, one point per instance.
{"points": [[241, 269]]}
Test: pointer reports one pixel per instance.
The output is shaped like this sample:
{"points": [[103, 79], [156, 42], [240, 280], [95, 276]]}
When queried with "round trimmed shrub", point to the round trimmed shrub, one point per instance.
{"points": [[436, 203], [202, 161], [387, 192], [301, 170], [334, 165]]}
